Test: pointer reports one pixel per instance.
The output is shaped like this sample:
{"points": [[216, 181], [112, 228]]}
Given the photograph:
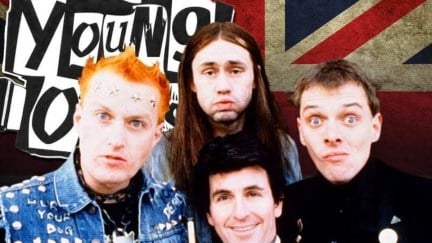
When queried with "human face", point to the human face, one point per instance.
{"points": [[117, 128], [337, 128], [242, 207], [223, 81]]}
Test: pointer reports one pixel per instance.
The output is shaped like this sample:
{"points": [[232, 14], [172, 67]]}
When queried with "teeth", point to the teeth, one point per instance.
{"points": [[246, 228]]}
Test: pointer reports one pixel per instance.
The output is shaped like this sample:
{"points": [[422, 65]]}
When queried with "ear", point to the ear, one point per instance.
{"points": [[77, 114], [193, 88], [299, 124], [158, 134], [278, 208], [376, 126], [210, 219]]}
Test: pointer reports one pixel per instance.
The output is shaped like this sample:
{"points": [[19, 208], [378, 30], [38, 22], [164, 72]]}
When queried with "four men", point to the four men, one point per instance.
{"points": [[227, 152]]}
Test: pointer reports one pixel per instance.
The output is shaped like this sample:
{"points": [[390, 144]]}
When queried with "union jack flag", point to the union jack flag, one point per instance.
{"points": [[390, 39]]}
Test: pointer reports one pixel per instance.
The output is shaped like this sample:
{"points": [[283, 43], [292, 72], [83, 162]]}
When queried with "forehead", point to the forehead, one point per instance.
{"points": [[110, 88], [239, 179], [221, 51], [320, 96]]}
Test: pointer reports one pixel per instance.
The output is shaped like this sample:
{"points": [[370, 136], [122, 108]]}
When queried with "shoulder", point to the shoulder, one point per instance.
{"points": [[163, 191], [35, 183], [161, 146], [157, 163], [398, 179], [23, 197], [289, 147], [304, 189], [405, 192], [286, 139]]}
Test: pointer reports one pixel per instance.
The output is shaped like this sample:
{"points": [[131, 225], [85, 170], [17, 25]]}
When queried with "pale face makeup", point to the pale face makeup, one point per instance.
{"points": [[117, 126], [337, 128], [223, 81]]}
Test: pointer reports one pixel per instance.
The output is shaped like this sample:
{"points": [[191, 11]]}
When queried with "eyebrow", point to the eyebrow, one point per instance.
{"points": [[219, 191], [353, 104], [224, 191], [230, 62]]}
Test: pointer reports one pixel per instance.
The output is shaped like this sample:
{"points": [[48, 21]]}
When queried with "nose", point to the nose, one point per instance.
{"points": [[116, 137], [332, 134], [223, 84], [241, 209]]}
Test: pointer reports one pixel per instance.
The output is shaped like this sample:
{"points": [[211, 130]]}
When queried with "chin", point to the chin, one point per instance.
{"points": [[225, 116], [338, 180]]}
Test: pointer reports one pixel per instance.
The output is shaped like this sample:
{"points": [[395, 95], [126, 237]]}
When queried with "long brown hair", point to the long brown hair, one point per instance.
{"points": [[192, 129]]}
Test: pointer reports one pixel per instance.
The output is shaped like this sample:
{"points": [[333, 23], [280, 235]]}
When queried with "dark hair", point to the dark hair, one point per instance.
{"points": [[333, 74], [192, 129], [233, 153]]}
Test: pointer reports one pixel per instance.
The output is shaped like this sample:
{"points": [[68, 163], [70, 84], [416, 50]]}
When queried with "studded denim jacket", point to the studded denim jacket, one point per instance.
{"points": [[55, 208]]}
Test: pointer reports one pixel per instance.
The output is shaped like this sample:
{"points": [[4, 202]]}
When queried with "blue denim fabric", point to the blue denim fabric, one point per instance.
{"points": [[55, 207]]}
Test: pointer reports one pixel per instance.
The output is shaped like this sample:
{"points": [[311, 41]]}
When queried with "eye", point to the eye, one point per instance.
{"points": [[222, 197], [350, 120], [102, 116], [137, 124], [235, 71], [209, 72], [315, 121], [253, 194]]}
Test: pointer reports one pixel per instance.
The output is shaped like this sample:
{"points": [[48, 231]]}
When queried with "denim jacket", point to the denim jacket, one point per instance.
{"points": [[55, 208]]}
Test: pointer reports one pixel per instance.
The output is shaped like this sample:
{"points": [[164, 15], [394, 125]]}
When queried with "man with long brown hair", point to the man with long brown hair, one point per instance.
{"points": [[223, 89]]}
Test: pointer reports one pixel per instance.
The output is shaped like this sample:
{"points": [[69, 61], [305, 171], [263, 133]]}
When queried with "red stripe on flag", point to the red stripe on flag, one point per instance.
{"points": [[5, 2], [250, 14], [359, 31]]}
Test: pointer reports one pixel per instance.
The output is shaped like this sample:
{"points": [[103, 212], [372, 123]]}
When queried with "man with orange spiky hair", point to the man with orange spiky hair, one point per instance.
{"points": [[100, 194]]}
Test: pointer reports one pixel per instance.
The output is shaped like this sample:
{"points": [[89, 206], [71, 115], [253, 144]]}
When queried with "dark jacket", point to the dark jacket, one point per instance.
{"points": [[379, 197]]}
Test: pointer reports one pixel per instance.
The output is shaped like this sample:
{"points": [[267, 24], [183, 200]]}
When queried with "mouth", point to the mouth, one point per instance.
{"points": [[114, 159], [335, 156], [224, 102], [224, 105], [243, 228]]}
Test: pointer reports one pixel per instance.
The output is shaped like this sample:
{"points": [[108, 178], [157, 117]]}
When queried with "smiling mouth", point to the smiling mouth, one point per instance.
{"points": [[243, 228]]}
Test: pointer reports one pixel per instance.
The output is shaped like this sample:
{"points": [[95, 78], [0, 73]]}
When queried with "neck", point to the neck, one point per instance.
{"points": [[103, 188], [221, 129]]}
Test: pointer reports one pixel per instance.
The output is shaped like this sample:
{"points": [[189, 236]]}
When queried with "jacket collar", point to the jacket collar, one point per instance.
{"points": [[67, 188], [71, 195]]}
